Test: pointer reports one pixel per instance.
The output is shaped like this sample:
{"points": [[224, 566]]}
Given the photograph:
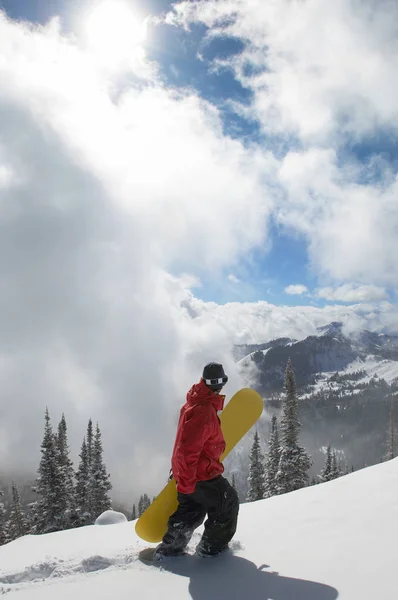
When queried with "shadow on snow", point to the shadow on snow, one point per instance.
{"points": [[237, 578]]}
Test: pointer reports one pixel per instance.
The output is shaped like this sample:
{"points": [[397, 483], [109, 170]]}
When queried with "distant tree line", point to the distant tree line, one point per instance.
{"points": [[143, 504], [65, 498], [285, 467], [391, 444]]}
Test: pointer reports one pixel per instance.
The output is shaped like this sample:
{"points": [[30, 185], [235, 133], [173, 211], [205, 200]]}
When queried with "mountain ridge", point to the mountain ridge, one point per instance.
{"points": [[347, 385], [331, 350]]}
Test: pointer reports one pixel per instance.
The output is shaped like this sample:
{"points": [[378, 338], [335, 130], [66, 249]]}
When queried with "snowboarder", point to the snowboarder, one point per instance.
{"points": [[196, 467]]}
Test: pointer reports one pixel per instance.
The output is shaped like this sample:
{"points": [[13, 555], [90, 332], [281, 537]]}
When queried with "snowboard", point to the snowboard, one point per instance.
{"points": [[238, 416]]}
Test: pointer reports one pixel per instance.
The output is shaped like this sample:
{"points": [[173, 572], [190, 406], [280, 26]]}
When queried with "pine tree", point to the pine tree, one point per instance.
{"points": [[16, 524], [327, 469], [334, 467], [47, 510], [3, 529], [391, 437], [343, 466], [82, 500], [294, 461], [233, 481], [92, 481], [100, 483], [146, 501], [90, 438], [68, 514], [143, 504], [256, 472], [134, 513], [140, 503], [272, 459]]}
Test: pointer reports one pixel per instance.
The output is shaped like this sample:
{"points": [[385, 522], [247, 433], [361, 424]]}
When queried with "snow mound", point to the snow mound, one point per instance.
{"points": [[110, 517]]}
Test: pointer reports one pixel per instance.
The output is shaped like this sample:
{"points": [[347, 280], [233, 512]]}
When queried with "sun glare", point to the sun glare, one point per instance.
{"points": [[113, 32]]}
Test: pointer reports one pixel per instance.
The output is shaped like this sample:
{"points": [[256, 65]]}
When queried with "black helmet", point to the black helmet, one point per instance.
{"points": [[214, 376]]}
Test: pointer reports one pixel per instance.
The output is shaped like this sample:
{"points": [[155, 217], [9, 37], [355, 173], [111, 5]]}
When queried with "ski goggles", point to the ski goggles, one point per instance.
{"points": [[219, 381]]}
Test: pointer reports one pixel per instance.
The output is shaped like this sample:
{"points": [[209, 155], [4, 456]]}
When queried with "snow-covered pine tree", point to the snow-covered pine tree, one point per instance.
{"points": [[16, 524], [47, 510], [134, 513], [343, 465], [143, 504], [90, 442], [334, 467], [294, 461], [3, 532], [82, 500], [100, 483], [68, 516], [327, 469], [140, 503], [256, 472], [272, 459], [391, 436], [146, 501]]}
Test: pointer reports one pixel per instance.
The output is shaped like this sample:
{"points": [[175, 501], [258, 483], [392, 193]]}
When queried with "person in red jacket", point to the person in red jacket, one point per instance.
{"points": [[196, 467]]}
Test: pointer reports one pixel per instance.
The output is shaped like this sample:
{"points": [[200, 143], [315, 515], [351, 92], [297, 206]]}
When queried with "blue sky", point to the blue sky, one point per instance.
{"points": [[265, 272], [185, 60]]}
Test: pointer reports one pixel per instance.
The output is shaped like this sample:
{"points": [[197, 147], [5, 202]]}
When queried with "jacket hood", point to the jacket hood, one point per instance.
{"points": [[201, 394]]}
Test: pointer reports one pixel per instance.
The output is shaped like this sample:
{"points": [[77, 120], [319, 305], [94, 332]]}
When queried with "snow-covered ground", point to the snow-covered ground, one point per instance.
{"points": [[334, 540], [372, 367]]}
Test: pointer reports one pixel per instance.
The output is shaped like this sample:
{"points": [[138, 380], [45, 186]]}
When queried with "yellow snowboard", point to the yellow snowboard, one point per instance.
{"points": [[238, 416]]}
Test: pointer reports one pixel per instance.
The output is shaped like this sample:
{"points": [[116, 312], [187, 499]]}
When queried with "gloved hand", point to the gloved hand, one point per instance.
{"points": [[170, 475]]}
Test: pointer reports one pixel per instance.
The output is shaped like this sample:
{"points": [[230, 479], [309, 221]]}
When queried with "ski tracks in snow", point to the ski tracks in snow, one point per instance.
{"points": [[56, 569], [51, 569]]}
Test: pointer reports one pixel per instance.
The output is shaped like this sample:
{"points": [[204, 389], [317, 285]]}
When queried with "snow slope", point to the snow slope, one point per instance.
{"points": [[335, 540], [317, 358]]}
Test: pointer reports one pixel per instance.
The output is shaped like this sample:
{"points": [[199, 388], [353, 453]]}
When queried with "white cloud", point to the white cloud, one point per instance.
{"points": [[353, 293], [322, 74], [7, 173], [6, 176], [111, 190], [233, 279], [350, 227], [296, 289], [255, 322], [317, 68]]}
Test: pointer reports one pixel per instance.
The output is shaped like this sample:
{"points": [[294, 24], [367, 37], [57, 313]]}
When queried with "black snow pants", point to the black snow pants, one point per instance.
{"points": [[215, 498]]}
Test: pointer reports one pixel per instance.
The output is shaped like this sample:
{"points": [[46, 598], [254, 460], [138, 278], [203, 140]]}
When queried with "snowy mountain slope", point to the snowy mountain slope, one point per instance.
{"points": [[244, 350], [362, 372], [334, 540], [318, 357], [346, 382]]}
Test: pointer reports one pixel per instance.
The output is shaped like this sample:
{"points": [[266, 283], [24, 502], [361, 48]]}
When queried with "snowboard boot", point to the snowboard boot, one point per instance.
{"points": [[205, 551], [163, 551]]}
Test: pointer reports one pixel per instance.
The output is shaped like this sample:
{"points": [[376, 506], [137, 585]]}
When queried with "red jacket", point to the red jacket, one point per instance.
{"points": [[199, 441]]}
